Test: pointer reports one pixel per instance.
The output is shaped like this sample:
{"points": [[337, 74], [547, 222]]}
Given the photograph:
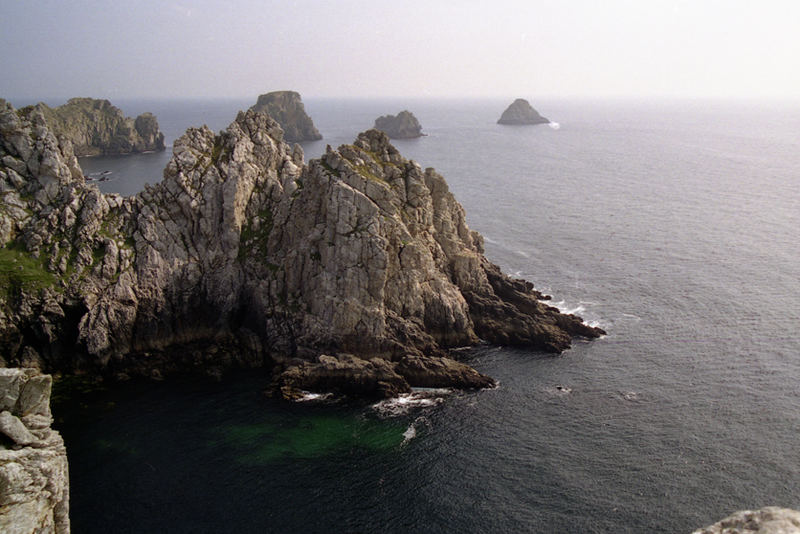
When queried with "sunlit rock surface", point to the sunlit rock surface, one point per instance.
{"points": [[34, 477], [768, 520]]}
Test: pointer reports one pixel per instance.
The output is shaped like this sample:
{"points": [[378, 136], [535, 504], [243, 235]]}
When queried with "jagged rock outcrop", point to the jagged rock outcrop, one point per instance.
{"points": [[768, 520], [244, 255], [404, 125], [95, 127], [521, 112], [34, 477], [287, 108]]}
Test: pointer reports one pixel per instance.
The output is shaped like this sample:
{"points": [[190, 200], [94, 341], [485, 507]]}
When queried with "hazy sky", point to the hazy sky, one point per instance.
{"points": [[503, 48]]}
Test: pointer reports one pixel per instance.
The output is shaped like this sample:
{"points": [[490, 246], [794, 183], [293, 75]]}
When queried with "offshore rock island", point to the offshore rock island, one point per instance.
{"points": [[520, 112], [95, 127], [287, 108], [354, 272], [404, 125]]}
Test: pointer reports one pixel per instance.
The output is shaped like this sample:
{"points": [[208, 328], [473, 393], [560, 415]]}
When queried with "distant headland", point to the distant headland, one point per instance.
{"points": [[95, 127]]}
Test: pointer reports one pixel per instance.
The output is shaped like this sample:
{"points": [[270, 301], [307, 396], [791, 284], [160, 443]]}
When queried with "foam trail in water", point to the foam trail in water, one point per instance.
{"points": [[411, 431], [554, 125]]}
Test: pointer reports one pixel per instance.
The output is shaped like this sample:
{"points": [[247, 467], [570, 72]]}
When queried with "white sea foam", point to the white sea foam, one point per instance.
{"points": [[554, 125], [418, 398], [309, 396]]}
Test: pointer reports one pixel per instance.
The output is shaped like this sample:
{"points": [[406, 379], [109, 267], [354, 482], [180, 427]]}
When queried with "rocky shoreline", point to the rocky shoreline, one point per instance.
{"points": [[246, 256]]}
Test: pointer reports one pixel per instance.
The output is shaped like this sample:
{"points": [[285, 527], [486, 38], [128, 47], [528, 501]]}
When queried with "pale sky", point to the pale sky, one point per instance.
{"points": [[415, 48]]}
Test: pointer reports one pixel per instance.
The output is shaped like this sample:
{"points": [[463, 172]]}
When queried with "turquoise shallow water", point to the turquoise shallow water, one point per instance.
{"points": [[673, 225]]}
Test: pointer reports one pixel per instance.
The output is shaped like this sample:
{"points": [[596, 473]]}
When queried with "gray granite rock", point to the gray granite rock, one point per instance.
{"points": [[34, 475], [768, 520], [15, 430]]}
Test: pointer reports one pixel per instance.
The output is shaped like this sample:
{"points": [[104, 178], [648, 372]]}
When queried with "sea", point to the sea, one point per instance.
{"points": [[672, 224]]}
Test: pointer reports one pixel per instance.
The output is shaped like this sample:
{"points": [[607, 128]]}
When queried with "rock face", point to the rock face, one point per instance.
{"points": [[769, 520], [287, 108], [521, 112], [245, 256], [34, 478], [404, 125], [95, 127]]}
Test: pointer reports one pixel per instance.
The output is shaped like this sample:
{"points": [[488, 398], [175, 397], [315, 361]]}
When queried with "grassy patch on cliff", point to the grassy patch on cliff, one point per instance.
{"points": [[20, 271], [253, 239]]}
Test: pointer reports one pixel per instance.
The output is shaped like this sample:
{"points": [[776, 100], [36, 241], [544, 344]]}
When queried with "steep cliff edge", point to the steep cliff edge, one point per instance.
{"points": [[95, 127], [404, 125], [520, 112], [287, 108], [244, 255], [34, 478]]}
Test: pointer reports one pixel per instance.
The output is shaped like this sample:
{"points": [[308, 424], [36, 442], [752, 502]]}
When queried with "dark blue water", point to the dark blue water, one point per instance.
{"points": [[673, 225]]}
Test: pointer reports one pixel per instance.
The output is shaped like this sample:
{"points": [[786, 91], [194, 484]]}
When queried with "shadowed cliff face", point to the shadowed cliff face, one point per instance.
{"points": [[243, 255]]}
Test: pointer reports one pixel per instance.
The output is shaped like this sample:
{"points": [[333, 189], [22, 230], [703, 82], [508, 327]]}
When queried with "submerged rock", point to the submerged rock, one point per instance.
{"points": [[404, 125], [287, 108], [95, 127], [521, 112], [246, 256], [768, 520], [34, 478]]}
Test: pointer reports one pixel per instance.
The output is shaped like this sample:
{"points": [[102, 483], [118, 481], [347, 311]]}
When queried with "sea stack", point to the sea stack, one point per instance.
{"points": [[95, 127], [521, 112], [287, 108], [404, 125]]}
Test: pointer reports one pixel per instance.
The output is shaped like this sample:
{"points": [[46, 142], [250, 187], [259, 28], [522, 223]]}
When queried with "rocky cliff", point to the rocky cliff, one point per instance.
{"points": [[404, 125], [768, 520], [521, 112], [287, 108], [95, 127], [244, 255], [34, 478]]}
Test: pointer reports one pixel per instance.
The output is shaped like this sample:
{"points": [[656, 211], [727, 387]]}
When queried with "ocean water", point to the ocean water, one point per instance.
{"points": [[671, 224]]}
